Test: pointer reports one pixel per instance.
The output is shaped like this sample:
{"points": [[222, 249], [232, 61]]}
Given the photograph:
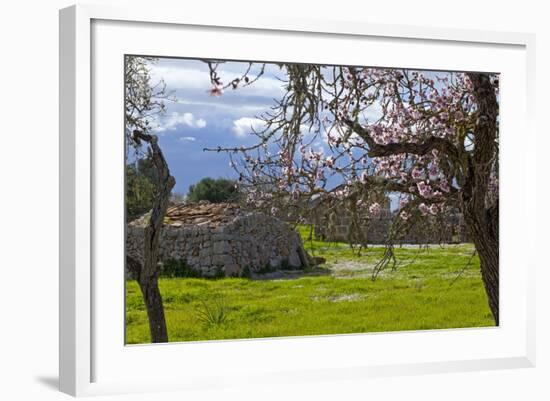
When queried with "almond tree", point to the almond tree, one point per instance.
{"points": [[144, 100], [429, 138]]}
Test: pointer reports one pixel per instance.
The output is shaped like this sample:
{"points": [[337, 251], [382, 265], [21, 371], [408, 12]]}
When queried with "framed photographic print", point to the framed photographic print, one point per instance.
{"points": [[277, 199]]}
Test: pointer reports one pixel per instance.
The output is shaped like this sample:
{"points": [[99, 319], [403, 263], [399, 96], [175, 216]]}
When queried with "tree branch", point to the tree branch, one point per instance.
{"points": [[378, 150]]}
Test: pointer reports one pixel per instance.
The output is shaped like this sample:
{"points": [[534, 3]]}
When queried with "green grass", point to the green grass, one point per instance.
{"points": [[433, 288]]}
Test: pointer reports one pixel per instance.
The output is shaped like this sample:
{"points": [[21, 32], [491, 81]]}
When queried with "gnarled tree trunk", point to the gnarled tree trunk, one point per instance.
{"points": [[482, 218], [147, 271], [485, 237]]}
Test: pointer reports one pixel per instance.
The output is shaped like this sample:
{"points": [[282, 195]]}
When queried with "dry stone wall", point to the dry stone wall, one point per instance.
{"points": [[375, 230], [249, 241]]}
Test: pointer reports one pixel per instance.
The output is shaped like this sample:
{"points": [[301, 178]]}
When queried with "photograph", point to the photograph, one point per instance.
{"points": [[269, 199], [276, 201]]}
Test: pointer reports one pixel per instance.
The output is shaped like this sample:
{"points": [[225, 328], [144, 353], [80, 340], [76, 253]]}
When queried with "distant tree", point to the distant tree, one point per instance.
{"points": [[213, 190], [146, 168], [140, 188]]}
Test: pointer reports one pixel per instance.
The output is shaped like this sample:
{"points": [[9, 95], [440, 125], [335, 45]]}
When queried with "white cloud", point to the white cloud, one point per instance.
{"points": [[200, 123], [373, 113], [175, 120], [188, 138], [236, 107], [181, 77], [185, 78], [245, 125], [265, 85]]}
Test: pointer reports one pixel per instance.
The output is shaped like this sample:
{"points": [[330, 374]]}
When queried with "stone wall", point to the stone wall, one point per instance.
{"points": [[250, 241], [375, 230]]}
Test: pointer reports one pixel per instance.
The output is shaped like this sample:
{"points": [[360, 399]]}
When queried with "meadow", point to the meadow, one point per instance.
{"points": [[435, 287]]}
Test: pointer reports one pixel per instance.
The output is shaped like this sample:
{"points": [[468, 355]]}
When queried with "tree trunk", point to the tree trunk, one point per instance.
{"points": [[155, 310], [482, 218], [149, 270], [486, 241]]}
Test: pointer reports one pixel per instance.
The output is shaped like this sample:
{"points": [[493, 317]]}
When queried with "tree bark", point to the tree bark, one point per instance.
{"points": [[486, 241], [149, 270], [155, 309], [481, 218]]}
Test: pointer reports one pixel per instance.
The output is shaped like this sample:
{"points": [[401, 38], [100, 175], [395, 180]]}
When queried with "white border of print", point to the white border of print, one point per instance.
{"points": [[93, 358]]}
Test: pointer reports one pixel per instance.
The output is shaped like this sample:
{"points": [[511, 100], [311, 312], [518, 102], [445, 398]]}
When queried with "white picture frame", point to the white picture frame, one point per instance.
{"points": [[91, 363]]}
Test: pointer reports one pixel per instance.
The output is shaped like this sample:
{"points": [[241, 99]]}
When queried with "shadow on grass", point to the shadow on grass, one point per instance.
{"points": [[292, 274]]}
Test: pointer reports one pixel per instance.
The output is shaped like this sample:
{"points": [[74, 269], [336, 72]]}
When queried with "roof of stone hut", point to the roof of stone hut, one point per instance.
{"points": [[202, 213]]}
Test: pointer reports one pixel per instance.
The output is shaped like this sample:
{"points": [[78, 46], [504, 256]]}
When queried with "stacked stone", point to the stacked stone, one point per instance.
{"points": [[214, 238], [376, 230]]}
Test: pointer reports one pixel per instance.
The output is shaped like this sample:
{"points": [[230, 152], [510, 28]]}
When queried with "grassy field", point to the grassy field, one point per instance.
{"points": [[434, 288]]}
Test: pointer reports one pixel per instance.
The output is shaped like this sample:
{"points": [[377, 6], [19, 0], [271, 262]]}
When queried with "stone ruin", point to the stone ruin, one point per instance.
{"points": [[222, 239], [338, 228]]}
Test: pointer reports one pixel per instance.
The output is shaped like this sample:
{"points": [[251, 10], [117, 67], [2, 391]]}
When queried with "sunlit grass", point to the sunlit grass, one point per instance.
{"points": [[433, 288]]}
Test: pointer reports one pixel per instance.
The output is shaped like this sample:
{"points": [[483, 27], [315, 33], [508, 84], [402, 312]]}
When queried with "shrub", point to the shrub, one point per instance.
{"points": [[246, 273], [267, 268], [219, 273], [140, 191], [178, 268], [212, 313], [213, 190]]}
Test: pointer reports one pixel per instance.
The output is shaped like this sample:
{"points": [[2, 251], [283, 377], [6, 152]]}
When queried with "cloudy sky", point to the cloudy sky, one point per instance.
{"points": [[197, 120]]}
